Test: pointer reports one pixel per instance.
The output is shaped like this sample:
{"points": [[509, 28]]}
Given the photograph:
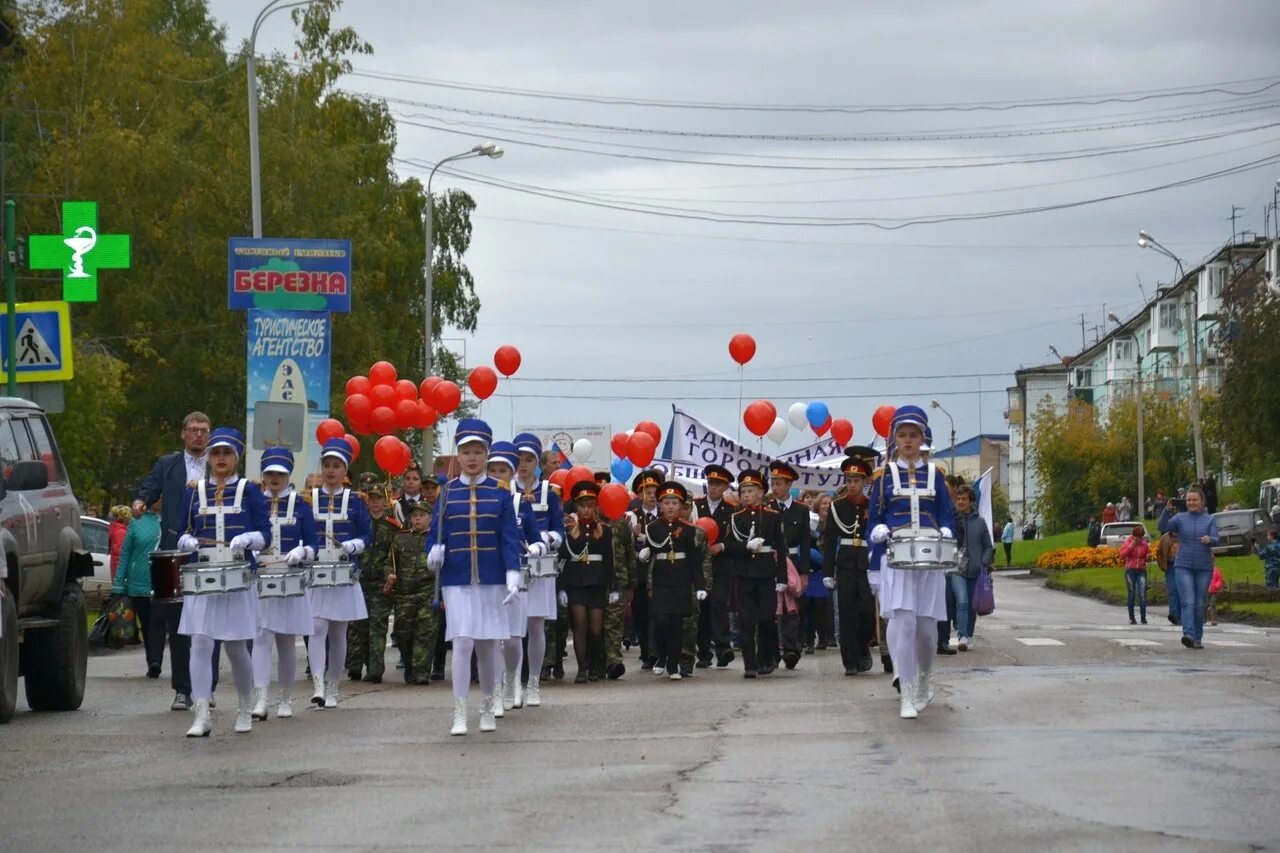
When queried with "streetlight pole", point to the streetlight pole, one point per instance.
{"points": [[1146, 241], [255, 175], [1142, 473], [485, 149], [934, 404]]}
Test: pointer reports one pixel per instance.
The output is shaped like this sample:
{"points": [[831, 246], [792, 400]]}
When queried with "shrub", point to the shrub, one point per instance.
{"points": [[1080, 558]]}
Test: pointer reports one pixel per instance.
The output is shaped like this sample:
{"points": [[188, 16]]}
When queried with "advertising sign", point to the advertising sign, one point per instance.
{"points": [[289, 274]]}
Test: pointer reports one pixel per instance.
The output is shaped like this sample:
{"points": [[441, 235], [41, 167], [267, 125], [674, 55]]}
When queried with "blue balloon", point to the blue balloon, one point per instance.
{"points": [[622, 470], [817, 413]]}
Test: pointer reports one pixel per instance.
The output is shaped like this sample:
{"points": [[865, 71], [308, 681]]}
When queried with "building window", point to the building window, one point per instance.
{"points": [[1167, 315], [1084, 377]]}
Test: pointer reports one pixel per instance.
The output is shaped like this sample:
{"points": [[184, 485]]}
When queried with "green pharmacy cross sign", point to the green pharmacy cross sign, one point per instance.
{"points": [[80, 251]]}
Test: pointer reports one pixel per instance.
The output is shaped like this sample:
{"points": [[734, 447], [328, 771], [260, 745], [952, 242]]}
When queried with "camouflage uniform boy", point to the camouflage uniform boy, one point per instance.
{"points": [[367, 638], [415, 592], [624, 567]]}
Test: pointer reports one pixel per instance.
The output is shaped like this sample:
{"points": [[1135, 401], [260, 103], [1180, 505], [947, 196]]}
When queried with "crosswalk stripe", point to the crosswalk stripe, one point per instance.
{"points": [[1231, 643], [1038, 641], [1134, 642]]}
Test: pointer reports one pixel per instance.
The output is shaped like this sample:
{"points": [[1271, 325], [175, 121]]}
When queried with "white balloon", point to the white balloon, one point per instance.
{"points": [[582, 450], [798, 414], [778, 432]]}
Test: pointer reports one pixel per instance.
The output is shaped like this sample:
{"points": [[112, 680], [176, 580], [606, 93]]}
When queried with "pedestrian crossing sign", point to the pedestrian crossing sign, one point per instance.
{"points": [[43, 350]]}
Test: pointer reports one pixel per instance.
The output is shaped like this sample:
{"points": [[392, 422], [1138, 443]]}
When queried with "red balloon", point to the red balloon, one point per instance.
{"points": [[386, 452], [842, 431], [383, 420], [406, 456], [507, 359], [483, 381], [758, 417], [329, 428], [641, 446], [773, 411], [382, 373], [406, 390], [362, 427], [579, 474], [558, 478], [742, 348], [710, 527], [358, 408], [383, 395], [820, 431], [445, 397], [651, 428], [406, 413], [614, 500], [618, 444], [426, 416], [355, 446], [883, 419], [358, 385], [428, 387]]}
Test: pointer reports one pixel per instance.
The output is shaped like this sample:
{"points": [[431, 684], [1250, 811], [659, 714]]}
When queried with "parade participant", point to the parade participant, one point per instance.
{"points": [[795, 526], [910, 493], [548, 512], [414, 587], [411, 493], [602, 478], [342, 522], [282, 620], [615, 613], [475, 549], [367, 638], [844, 548], [644, 511], [757, 546], [223, 516], [588, 582], [679, 573], [713, 617]]}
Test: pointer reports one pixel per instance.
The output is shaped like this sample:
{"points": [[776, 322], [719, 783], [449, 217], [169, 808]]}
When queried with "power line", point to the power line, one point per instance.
{"points": [[606, 398]]}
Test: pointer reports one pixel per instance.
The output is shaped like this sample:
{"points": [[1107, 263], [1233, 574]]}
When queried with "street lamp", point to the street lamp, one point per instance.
{"points": [[1142, 483], [1146, 241], [255, 177], [484, 149], [934, 404]]}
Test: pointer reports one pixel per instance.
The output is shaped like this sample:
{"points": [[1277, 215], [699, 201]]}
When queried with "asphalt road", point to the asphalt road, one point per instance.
{"points": [[1065, 729]]}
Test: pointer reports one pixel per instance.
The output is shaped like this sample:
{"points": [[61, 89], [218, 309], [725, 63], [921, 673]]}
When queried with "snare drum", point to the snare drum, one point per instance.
{"points": [[209, 578], [278, 582], [166, 574], [921, 549], [340, 573], [544, 567]]}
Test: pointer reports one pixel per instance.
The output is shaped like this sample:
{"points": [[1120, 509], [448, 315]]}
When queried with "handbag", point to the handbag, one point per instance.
{"points": [[984, 594], [117, 625]]}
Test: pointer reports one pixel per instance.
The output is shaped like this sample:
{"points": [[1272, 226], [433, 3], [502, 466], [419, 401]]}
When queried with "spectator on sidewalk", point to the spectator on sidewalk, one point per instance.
{"points": [[1094, 538], [1109, 513], [1197, 534], [1134, 552], [134, 580], [120, 518], [1215, 586], [1006, 539], [1270, 554], [1124, 512]]}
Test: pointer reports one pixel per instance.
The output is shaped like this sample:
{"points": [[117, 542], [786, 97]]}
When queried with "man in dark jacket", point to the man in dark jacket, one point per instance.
{"points": [[168, 480]]}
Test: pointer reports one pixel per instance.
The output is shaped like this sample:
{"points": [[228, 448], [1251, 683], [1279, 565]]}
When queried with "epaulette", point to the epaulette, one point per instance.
{"points": [[305, 494], [877, 474], [769, 509]]}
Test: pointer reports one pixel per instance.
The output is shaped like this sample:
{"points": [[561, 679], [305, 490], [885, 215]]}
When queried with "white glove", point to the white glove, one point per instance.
{"points": [[880, 533], [241, 542], [297, 555], [701, 595], [513, 587], [353, 547], [311, 554], [780, 587], [187, 542], [829, 583], [644, 555], [946, 533], [435, 558], [538, 549], [755, 544], [563, 598], [614, 597]]}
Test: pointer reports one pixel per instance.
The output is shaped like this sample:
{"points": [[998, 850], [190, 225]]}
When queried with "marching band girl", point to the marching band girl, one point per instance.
{"points": [[342, 521], [223, 512]]}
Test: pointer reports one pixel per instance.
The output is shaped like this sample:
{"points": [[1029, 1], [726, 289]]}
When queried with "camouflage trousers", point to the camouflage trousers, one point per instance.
{"points": [[614, 618], [367, 638], [417, 621]]}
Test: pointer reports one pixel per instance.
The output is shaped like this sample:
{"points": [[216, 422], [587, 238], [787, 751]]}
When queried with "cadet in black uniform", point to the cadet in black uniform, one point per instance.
{"points": [[844, 546], [644, 509], [756, 546], [795, 525], [679, 566], [713, 618], [587, 583]]}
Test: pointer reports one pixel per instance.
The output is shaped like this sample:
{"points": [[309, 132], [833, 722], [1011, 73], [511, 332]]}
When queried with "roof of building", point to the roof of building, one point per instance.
{"points": [[968, 447]]}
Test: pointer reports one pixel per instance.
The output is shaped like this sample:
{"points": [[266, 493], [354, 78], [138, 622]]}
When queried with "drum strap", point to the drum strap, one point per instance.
{"points": [[279, 521], [914, 492], [329, 516], [220, 511]]}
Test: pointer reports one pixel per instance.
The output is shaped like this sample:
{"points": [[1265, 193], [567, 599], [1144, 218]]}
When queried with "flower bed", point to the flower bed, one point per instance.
{"points": [[1080, 558]]}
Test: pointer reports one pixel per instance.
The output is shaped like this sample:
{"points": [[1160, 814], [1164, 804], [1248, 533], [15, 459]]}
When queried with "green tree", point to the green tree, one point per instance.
{"points": [[1246, 420]]}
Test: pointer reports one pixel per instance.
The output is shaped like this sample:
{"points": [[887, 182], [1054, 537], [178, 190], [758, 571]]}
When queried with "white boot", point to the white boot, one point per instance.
{"points": [[260, 703], [202, 725], [498, 712], [317, 694], [517, 692], [331, 694], [459, 717], [488, 722], [533, 693], [285, 709], [510, 683], [907, 710], [244, 714], [923, 692]]}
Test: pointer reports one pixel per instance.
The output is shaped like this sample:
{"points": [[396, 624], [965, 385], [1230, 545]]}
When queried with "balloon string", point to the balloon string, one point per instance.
{"points": [[740, 371]]}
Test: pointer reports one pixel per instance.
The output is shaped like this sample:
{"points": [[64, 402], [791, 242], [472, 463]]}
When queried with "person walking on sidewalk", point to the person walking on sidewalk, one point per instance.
{"points": [[1197, 533], [1006, 539], [1135, 552]]}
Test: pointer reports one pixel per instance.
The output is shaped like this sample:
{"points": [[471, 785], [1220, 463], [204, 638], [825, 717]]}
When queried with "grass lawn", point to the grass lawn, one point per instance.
{"points": [[1266, 612]]}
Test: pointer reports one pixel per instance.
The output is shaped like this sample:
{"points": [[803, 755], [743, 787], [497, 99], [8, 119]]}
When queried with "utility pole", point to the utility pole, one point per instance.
{"points": [[10, 260], [1193, 353], [1234, 211], [1083, 345]]}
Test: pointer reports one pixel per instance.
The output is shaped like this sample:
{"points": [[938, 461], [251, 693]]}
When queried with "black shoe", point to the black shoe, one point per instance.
{"points": [[1144, 620], [822, 647], [546, 673], [1133, 621], [646, 666], [724, 659], [851, 672], [808, 650], [791, 659], [768, 668], [887, 663], [153, 671], [594, 676], [373, 679], [354, 674], [946, 650], [400, 664], [424, 681], [408, 675], [748, 673], [557, 672], [1188, 642], [897, 686], [1174, 620], [580, 678], [615, 671], [437, 675], [181, 702], [703, 663], [864, 662], [686, 672]]}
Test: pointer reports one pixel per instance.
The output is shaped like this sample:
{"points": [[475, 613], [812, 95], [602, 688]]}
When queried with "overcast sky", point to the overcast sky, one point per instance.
{"points": [[630, 296]]}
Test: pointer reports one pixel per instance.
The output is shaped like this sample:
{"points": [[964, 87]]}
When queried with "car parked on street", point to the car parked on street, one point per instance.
{"points": [[1115, 532], [1239, 530], [94, 534]]}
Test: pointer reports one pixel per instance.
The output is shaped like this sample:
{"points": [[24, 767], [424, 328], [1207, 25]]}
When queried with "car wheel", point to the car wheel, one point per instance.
{"points": [[59, 657], [8, 657]]}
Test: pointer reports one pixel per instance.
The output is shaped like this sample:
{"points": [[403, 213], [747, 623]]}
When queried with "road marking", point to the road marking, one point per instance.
{"points": [[1232, 643], [1016, 573], [1125, 641], [1038, 641]]}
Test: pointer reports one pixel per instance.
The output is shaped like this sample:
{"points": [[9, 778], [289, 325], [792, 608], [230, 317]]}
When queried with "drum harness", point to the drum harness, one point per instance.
{"points": [[220, 511], [330, 517]]}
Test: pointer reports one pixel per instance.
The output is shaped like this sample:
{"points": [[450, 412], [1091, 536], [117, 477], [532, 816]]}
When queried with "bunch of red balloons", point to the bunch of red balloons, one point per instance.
{"points": [[640, 446], [382, 403]]}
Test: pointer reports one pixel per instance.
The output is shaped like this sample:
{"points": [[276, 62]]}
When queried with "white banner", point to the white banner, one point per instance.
{"points": [[695, 445], [559, 437]]}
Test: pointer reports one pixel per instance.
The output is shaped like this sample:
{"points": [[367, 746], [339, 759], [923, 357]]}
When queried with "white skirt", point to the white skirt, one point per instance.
{"points": [[287, 615], [476, 611], [339, 603], [542, 598], [518, 615], [923, 592], [223, 616]]}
